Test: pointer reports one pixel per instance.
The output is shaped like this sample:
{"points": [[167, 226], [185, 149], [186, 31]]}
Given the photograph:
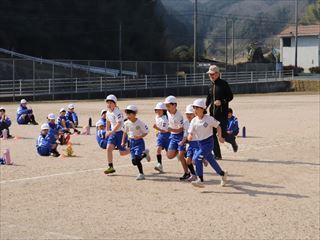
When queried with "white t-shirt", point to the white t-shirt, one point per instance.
{"points": [[162, 122], [175, 121], [115, 117], [137, 128], [202, 128]]}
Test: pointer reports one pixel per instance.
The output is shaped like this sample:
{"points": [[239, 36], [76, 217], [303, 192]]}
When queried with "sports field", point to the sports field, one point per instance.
{"points": [[272, 192]]}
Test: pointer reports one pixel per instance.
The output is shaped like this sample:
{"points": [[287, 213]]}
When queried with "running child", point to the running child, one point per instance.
{"points": [[25, 114], [193, 145], [201, 129], [44, 145], [176, 148], [136, 130], [101, 135], [72, 116], [161, 126], [115, 124]]}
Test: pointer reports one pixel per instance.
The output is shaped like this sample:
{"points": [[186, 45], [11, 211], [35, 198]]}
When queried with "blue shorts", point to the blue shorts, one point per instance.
{"points": [[103, 143], [44, 151], [192, 149], [175, 139], [163, 140], [137, 147], [116, 140]]}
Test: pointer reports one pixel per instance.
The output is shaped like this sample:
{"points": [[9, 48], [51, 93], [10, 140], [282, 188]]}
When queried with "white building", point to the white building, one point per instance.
{"points": [[308, 46]]}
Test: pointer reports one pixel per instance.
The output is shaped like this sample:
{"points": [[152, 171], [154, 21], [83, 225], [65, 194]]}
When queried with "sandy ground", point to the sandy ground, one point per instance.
{"points": [[272, 193]]}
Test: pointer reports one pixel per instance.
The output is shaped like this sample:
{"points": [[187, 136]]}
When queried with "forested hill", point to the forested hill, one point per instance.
{"points": [[84, 29]]}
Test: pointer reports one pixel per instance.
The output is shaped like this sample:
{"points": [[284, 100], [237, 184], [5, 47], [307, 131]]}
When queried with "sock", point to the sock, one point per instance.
{"points": [[201, 178], [159, 158], [110, 165], [191, 168], [139, 165]]}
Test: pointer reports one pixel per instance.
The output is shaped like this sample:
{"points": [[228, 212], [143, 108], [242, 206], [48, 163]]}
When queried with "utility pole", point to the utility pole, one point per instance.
{"points": [[195, 26], [232, 41], [296, 40], [120, 47], [226, 44]]}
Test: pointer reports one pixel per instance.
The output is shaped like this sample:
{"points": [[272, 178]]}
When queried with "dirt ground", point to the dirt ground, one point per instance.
{"points": [[272, 193]]}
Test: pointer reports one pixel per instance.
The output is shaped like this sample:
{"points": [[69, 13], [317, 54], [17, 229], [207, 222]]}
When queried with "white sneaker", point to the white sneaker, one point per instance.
{"points": [[147, 155], [224, 179], [192, 178], [198, 183], [140, 177], [159, 168]]}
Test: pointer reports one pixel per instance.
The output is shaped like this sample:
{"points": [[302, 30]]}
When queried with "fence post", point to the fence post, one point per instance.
{"points": [[13, 79], [251, 77], [49, 86], [20, 87], [33, 82], [52, 71], [166, 81], [292, 75], [146, 81], [266, 76], [76, 85], [100, 84], [124, 83], [185, 80], [203, 79]]}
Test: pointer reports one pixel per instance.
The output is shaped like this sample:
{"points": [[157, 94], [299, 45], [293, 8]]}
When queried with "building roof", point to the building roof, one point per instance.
{"points": [[303, 30]]}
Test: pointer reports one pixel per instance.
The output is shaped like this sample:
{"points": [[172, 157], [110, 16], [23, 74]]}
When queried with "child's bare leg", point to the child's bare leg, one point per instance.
{"points": [[110, 149], [172, 153], [183, 161], [125, 152]]}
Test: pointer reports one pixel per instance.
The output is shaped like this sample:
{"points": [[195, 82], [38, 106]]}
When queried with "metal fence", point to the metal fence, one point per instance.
{"points": [[48, 86]]}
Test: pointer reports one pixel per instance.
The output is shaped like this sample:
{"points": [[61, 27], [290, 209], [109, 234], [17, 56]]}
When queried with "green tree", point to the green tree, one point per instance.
{"points": [[312, 14]]}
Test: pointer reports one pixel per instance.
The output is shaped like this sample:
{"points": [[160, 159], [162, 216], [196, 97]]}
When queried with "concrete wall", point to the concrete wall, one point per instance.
{"points": [[308, 52], [241, 88]]}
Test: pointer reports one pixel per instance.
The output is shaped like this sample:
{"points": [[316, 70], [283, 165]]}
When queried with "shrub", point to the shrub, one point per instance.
{"points": [[315, 69], [290, 67]]}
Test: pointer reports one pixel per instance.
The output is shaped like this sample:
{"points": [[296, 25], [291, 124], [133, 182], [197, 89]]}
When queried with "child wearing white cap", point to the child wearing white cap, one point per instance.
{"points": [[56, 132], [136, 130], [72, 116], [25, 114], [101, 137], [115, 124], [65, 123], [5, 123], [44, 145], [201, 130], [176, 147], [161, 126], [193, 146]]}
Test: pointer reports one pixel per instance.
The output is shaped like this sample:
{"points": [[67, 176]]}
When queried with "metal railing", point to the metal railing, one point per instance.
{"points": [[48, 86]]}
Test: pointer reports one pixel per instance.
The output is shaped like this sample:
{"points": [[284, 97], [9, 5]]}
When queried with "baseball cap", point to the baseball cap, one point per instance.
{"points": [[160, 106], [170, 99], [199, 103], [132, 108], [51, 116], [71, 106], [213, 69], [62, 110], [99, 123], [111, 97], [2, 108], [44, 126], [23, 101], [189, 109], [103, 111]]}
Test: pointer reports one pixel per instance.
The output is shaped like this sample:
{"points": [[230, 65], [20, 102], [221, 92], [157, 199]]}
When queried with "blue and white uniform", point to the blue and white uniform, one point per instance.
{"points": [[114, 117], [233, 125], [6, 121], [44, 145], [102, 139], [163, 138], [59, 120], [193, 147], [72, 117], [22, 115], [54, 132], [175, 122], [201, 130], [134, 129]]}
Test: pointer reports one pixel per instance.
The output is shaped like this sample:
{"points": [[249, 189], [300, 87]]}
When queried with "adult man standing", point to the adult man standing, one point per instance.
{"points": [[218, 99]]}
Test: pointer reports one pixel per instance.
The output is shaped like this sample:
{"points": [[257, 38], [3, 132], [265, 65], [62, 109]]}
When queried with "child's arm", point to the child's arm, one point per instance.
{"points": [[178, 130], [124, 137], [140, 137], [118, 125], [158, 129], [220, 138], [183, 141], [189, 137]]}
